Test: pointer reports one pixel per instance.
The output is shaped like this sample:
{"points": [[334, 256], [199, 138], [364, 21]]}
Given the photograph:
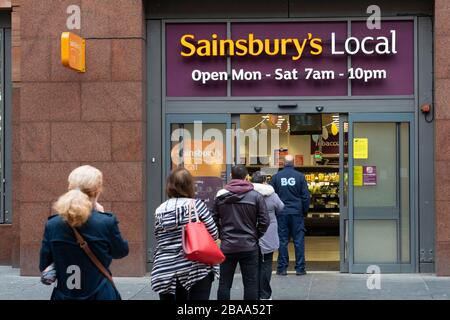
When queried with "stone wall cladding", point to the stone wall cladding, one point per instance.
{"points": [[63, 119]]}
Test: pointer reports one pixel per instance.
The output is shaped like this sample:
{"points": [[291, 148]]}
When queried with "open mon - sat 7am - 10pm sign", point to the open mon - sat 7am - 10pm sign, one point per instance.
{"points": [[289, 59]]}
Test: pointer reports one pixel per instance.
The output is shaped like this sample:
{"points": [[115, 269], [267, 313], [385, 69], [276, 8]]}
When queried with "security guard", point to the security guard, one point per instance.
{"points": [[292, 188]]}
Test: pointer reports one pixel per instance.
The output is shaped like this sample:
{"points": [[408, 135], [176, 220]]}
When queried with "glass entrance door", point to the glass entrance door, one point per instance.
{"points": [[381, 193], [202, 144]]}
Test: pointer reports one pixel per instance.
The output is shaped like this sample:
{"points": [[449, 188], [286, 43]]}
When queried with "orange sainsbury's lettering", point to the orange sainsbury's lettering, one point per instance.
{"points": [[251, 45], [316, 43], [241, 45], [187, 45]]}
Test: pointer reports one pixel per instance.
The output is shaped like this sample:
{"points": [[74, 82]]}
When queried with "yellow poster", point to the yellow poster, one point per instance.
{"points": [[357, 176], [360, 148]]}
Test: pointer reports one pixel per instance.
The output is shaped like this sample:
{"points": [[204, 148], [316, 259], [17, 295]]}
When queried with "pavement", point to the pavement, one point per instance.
{"points": [[313, 286]]}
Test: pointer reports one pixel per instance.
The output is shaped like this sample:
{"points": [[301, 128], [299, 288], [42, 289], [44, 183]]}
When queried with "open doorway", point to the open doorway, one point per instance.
{"points": [[313, 139]]}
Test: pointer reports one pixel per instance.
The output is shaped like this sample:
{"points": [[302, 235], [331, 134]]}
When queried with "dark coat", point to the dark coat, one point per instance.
{"points": [[241, 216], [292, 188], [59, 246]]}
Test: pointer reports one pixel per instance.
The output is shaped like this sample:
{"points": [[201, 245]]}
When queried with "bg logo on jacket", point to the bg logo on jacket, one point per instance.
{"points": [[285, 182]]}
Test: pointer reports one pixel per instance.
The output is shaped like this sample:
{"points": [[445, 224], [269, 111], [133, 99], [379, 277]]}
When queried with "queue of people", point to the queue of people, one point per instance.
{"points": [[250, 221]]}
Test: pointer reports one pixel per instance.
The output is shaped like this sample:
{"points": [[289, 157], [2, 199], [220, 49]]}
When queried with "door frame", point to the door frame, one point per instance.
{"points": [[343, 198], [397, 118]]}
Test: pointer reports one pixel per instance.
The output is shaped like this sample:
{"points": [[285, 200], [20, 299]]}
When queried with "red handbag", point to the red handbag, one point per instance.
{"points": [[198, 244]]}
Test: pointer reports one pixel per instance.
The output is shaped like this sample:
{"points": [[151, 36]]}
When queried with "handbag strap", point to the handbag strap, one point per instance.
{"points": [[84, 245], [193, 207]]}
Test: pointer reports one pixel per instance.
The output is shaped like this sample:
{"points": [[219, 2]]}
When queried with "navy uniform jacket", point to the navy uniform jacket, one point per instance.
{"points": [[292, 188], [77, 277]]}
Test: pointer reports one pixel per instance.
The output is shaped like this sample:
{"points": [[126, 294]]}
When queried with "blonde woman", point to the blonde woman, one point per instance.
{"points": [[77, 276]]}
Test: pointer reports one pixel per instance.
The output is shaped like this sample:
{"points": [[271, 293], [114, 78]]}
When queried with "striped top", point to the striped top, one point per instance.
{"points": [[169, 264]]}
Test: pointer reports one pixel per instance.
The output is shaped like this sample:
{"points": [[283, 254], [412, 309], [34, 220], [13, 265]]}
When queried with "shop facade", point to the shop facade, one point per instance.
{"points": [[215, 71], [162, 77]]}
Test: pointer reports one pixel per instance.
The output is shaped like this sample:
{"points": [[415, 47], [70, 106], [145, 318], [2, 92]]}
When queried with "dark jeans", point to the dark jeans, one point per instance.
{"points": [[291, 225], [265, 273], [199, 291], [248, 262]]}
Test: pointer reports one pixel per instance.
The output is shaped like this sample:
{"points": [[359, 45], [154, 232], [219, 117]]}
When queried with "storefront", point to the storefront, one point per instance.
{"points": [[208, 84], [330, 91]]}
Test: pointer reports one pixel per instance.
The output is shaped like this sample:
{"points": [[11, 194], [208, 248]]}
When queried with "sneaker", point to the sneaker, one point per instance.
{"points": [[300, 273], [270, 298], [282, 273]]}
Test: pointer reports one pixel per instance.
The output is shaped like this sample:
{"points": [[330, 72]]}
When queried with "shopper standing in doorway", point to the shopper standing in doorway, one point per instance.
{"points": [[292, 188], [242, 218], [270, 241]]}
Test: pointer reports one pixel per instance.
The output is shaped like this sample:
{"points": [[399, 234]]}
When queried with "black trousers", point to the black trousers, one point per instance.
{"points": [[199, 291], [248, 262], [265, 274]]}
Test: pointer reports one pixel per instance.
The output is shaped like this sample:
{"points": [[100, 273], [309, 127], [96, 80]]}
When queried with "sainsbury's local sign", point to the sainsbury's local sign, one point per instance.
{"points": [[291, 47], [290, 59]]}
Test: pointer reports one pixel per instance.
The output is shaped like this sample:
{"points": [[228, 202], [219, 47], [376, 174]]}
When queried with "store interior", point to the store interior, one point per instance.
{"points": [[313, 139], [260, 143]]}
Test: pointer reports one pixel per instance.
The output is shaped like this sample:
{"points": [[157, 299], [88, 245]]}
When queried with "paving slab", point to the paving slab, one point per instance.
{"points": [[313, 286]]}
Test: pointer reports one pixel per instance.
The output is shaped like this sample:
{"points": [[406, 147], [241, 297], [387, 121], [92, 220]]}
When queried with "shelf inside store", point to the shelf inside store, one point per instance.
{"points": [[319, 168], [324, 208], [303, 169], [321, 214], [325, 182], [326, 195]]}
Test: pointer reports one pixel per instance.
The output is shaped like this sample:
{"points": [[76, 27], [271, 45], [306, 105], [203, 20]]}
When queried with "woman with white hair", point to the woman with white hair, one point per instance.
{"points": [[270, 241], [80, 241]]}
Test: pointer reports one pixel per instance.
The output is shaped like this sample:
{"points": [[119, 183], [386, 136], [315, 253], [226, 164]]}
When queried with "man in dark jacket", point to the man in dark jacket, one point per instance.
{"points": [[292, 188], [242, 218]]}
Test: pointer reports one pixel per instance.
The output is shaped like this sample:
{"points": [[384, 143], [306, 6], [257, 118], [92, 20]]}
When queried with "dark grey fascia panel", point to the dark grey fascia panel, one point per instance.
{"points": [[190, 9], [303, 106], [176, 9], [154, 156], [8, 127], [5, 19], [330, 8], [426, 136], [427, 268]]}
